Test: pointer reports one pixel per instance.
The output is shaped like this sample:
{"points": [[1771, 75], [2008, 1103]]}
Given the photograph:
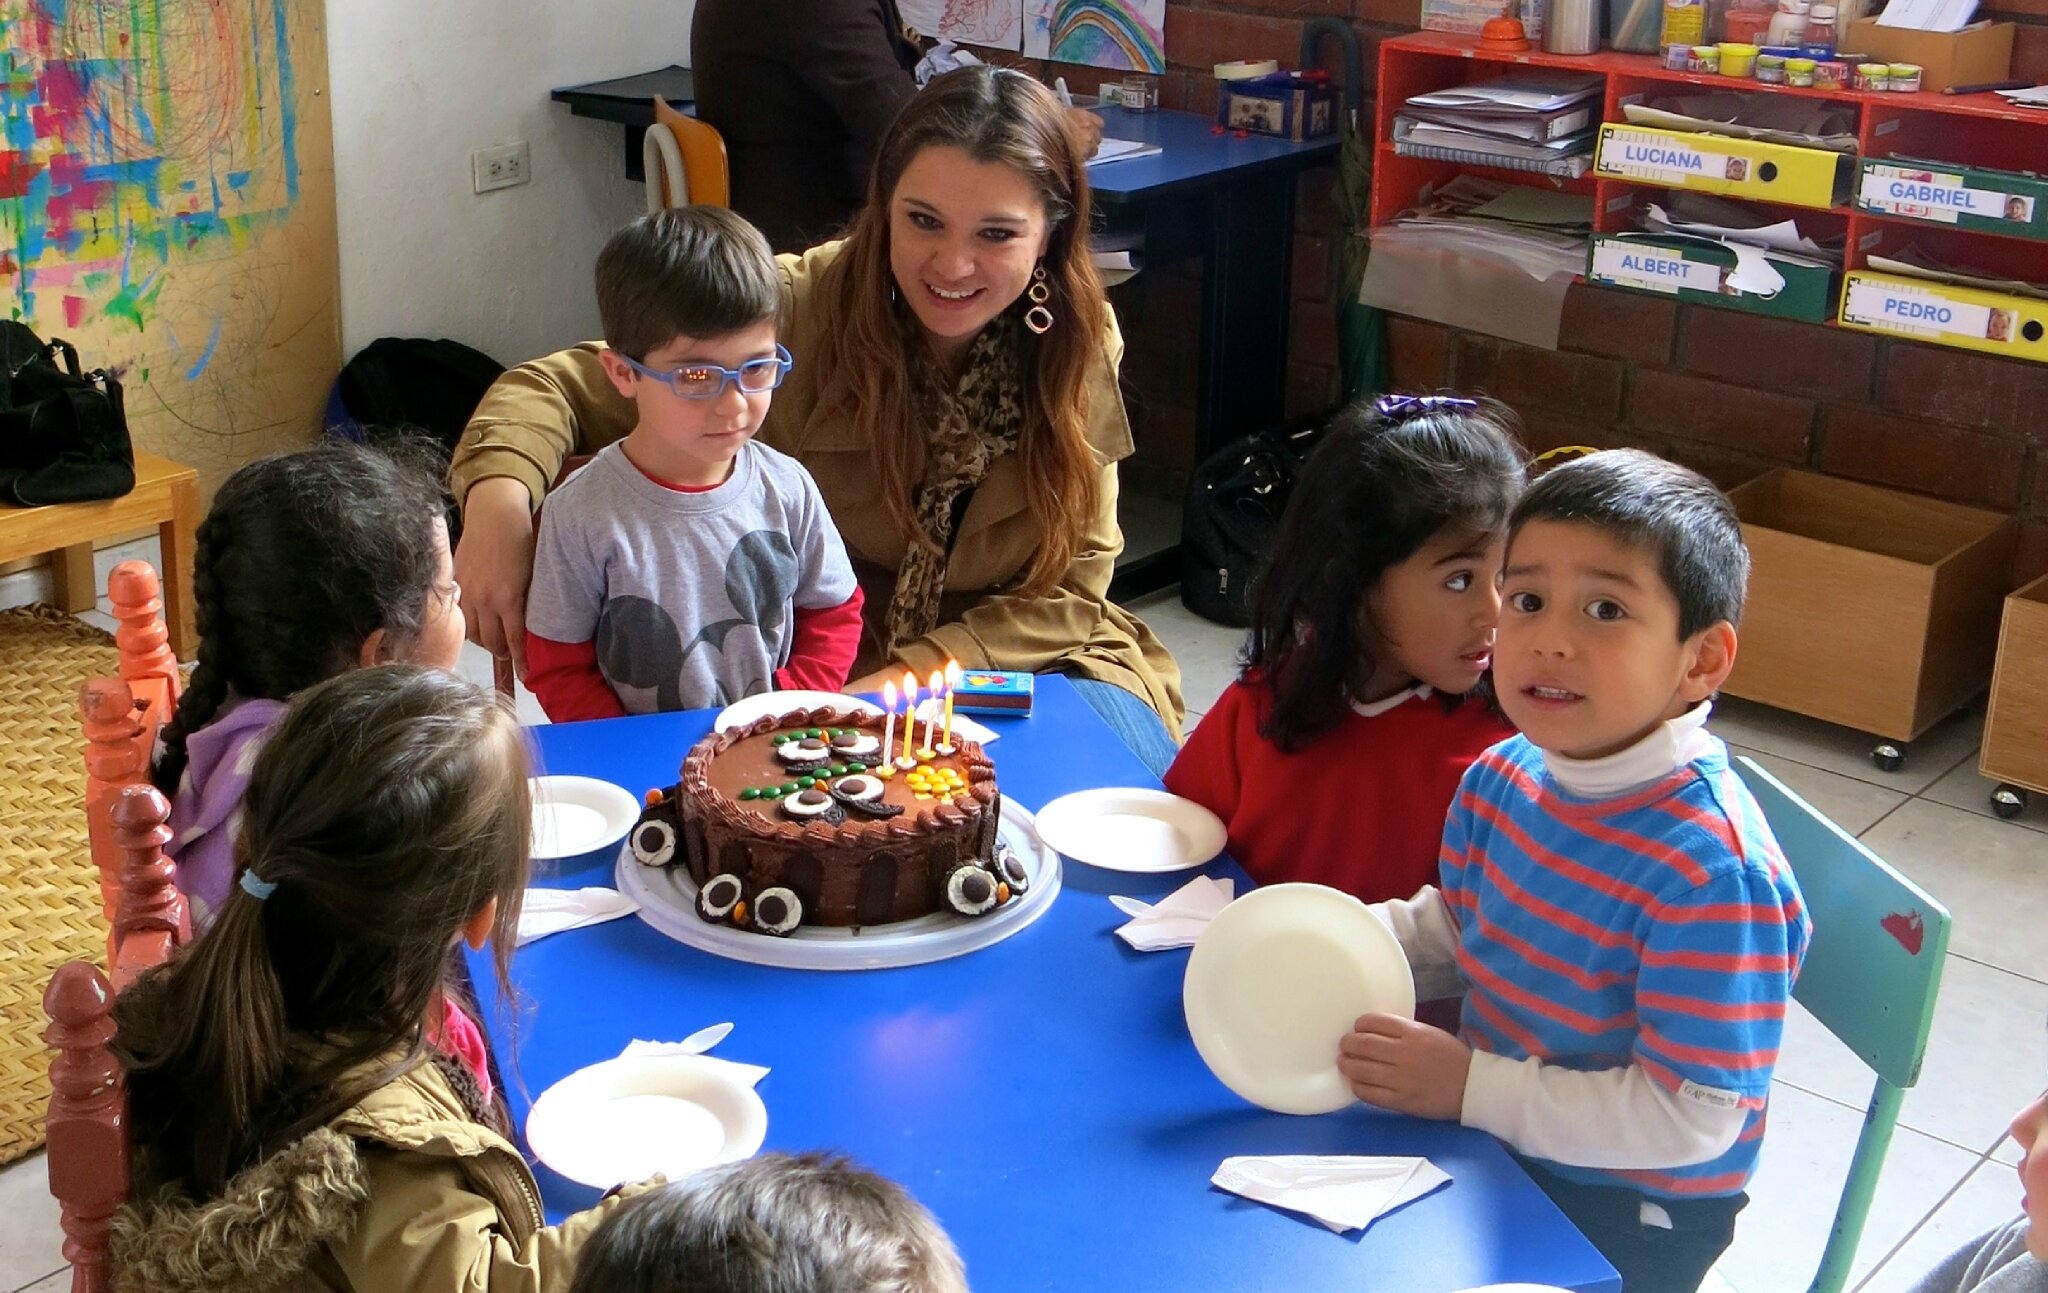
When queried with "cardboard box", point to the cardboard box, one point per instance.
{"points": [[1695, 269], [2016, 728], [1977, 55], [2013, 203], [1743, 168], [1868, 607], [1968, 318]]}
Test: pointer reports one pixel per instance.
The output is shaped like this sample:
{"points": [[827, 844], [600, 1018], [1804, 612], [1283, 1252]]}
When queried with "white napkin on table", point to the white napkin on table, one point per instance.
{"points": [[979, 733], [1176, 920], [751, 1074], [550, 911], [1343, 1192]]}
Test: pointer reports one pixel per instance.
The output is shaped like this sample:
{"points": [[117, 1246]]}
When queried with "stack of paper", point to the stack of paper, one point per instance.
{"points": [[1928, 15], [1540, 121]]}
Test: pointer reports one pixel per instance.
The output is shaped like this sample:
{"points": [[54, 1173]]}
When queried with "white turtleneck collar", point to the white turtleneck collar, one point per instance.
{"points": [[1668, 747], [1375, 708]]}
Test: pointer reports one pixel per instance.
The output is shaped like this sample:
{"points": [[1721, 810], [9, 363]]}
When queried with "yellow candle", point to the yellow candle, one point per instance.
{"points": [[909, 712], [889, 728], [952, 681]]}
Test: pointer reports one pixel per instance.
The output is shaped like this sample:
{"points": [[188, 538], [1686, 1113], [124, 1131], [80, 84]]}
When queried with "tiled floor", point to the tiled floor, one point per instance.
{"points": [[1949, 1174]]}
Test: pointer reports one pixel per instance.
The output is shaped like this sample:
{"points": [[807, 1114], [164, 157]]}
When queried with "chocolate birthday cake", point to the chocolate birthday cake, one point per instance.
{"points": [[807, 819]]}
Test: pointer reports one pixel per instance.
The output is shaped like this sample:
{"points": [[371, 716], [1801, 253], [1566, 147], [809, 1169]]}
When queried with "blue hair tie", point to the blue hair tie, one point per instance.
{"points": [[256, 886]]}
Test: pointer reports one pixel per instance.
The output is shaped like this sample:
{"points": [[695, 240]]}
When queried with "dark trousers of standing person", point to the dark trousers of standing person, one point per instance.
{"points": [[1650, 1257]]}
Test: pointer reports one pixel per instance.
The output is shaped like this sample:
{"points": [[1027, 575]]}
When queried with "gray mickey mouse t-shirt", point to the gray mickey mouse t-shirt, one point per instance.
{"points": [[688, 595]]}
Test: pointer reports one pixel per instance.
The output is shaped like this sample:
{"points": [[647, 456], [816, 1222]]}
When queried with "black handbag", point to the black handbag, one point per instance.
{"points": [[1235, 498], [63, 433]]}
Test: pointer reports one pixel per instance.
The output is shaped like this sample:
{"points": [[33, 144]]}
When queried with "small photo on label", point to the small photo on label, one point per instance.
{"points": [[1738, 168], [1999, 326], [2019, 208]]}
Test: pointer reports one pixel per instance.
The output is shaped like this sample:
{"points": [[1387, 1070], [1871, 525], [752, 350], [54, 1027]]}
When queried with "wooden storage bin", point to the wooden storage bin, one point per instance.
{"points": [[1868, 607], [2016, 729]]}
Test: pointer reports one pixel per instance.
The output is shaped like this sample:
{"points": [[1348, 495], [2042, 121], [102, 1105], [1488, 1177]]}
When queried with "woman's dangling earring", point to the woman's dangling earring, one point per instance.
{"points": [[1038, 318]]}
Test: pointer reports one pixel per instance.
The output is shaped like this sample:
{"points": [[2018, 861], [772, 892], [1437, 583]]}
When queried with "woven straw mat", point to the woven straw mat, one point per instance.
{"points": [[49, 892]]}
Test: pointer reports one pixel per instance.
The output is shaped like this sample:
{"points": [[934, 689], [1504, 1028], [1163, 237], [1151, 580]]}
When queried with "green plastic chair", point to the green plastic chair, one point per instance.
{"points": [[1871, 975]]}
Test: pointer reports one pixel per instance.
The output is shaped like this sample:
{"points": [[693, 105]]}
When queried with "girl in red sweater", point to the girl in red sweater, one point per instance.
{"points": [[1363, 696]]}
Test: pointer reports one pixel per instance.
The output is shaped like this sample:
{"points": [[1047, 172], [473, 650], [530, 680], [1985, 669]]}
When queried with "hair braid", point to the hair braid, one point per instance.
{"points": [[207, 691]]}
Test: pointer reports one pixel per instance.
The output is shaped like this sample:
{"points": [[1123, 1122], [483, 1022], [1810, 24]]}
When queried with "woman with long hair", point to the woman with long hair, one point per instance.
{"points": [[954, 394]]}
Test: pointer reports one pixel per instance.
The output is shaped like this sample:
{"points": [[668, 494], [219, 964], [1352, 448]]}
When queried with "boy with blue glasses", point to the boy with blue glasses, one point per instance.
{"points": [[686, 566]]}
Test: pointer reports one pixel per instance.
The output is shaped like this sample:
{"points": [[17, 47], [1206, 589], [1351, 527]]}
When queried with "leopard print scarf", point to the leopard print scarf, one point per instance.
{"points": [[972, 425]]}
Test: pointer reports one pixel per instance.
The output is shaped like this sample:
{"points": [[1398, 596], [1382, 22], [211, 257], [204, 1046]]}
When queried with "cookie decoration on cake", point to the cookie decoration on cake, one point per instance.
{"points": [[791, 821]]}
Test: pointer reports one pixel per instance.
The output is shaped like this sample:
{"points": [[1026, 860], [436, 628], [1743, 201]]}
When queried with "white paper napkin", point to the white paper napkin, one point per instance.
{"points": [[550, 911], [962, 725], [751, 1074], [1176, 920], [1344, 1193]]}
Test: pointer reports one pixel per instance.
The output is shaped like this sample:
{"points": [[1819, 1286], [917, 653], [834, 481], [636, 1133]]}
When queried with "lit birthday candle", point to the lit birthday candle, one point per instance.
{"points": [[952, 682], [909, 718], [931, 722], [889, 725]]}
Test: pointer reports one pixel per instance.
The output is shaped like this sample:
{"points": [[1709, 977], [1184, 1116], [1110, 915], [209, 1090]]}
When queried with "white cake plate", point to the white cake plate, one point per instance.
{"points": [[668, 901]]}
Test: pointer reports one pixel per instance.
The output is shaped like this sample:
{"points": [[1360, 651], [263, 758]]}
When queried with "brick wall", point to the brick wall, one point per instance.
{"points": [[1728, 392]]}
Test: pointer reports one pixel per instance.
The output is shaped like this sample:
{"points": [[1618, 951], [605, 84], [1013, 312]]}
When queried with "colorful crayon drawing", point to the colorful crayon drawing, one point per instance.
{"points": [[993, 24], [165, 207], [1124, 34]]}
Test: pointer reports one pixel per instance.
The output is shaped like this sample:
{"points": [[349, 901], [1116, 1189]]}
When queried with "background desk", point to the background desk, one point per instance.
{"points": [[629, 100], [1041, 1096], [1229, 202]]}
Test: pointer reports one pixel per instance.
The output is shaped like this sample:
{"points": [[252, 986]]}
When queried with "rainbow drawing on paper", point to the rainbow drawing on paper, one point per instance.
{"points": [[136, 137], [1124, 34]]}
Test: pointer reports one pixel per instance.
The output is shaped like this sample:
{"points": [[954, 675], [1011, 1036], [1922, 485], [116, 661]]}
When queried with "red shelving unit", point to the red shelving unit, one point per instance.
{"points": [[1974, 130]]}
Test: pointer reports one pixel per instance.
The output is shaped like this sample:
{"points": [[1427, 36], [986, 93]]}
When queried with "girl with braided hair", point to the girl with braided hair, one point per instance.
{"points": [[309, 564]]}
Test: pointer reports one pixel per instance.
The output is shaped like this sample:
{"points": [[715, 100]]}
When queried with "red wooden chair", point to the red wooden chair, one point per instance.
{"points": [[147, 918]]}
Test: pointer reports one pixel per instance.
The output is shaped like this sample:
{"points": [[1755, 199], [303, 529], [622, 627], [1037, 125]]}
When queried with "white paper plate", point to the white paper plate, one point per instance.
{"points": [[1275, 982], [1127, 829], [577, 815], [629, 1118], [741, 712], [668, 901]]}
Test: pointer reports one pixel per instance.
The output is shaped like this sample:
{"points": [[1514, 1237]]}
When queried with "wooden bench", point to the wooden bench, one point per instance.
{"points": [[166, 495]]}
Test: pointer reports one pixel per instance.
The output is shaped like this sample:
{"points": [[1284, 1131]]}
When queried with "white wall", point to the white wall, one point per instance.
{"points": [[415, 88]]}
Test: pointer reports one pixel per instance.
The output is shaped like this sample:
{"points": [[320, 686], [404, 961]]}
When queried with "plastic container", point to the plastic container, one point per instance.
{"points": [[1737, 59], [1819, 41], [1873, 76], [1770, 69], [1788, 25], [1685, 23], [1705, 58], [1677, 58], [1745, 25], [1799, 72], [1829, 74], [1904, 78]]}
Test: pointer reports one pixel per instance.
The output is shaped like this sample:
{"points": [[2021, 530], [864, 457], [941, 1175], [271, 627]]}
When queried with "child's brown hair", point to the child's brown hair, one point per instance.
{"points": [[387, 809], [684, 272]]}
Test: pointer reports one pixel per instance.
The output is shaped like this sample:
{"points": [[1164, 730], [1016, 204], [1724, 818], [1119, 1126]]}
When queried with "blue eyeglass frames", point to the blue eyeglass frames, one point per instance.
{"points": [[708, 381]]}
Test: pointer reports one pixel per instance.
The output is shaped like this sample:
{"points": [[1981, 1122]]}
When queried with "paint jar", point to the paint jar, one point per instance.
{"points": [[1905, 78], [1746, 24], [1677, 58], [1706, 58], [1736, 59], [1799, 72], [1770, 69], [1872, 76], [1140, 94], [1830, 75]]}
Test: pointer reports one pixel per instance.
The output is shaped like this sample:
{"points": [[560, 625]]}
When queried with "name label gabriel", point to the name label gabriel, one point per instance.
{"points": [[1933, 195]]}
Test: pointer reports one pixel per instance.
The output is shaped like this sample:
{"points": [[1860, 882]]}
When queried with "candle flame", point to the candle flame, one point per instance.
{"points": [[952, 673], [889, 697]]}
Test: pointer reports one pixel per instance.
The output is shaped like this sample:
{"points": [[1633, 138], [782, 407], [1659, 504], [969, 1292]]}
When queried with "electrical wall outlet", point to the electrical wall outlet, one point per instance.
{"points": [[501, 167]]}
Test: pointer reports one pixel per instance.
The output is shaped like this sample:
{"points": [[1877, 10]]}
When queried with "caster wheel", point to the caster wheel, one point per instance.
{"points": [[1888, 757], [2008, 802]]}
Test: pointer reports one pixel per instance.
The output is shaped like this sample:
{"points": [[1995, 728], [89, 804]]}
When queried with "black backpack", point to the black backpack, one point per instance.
{"points": [[63, 433], [411, 382], [1235, 498]]}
